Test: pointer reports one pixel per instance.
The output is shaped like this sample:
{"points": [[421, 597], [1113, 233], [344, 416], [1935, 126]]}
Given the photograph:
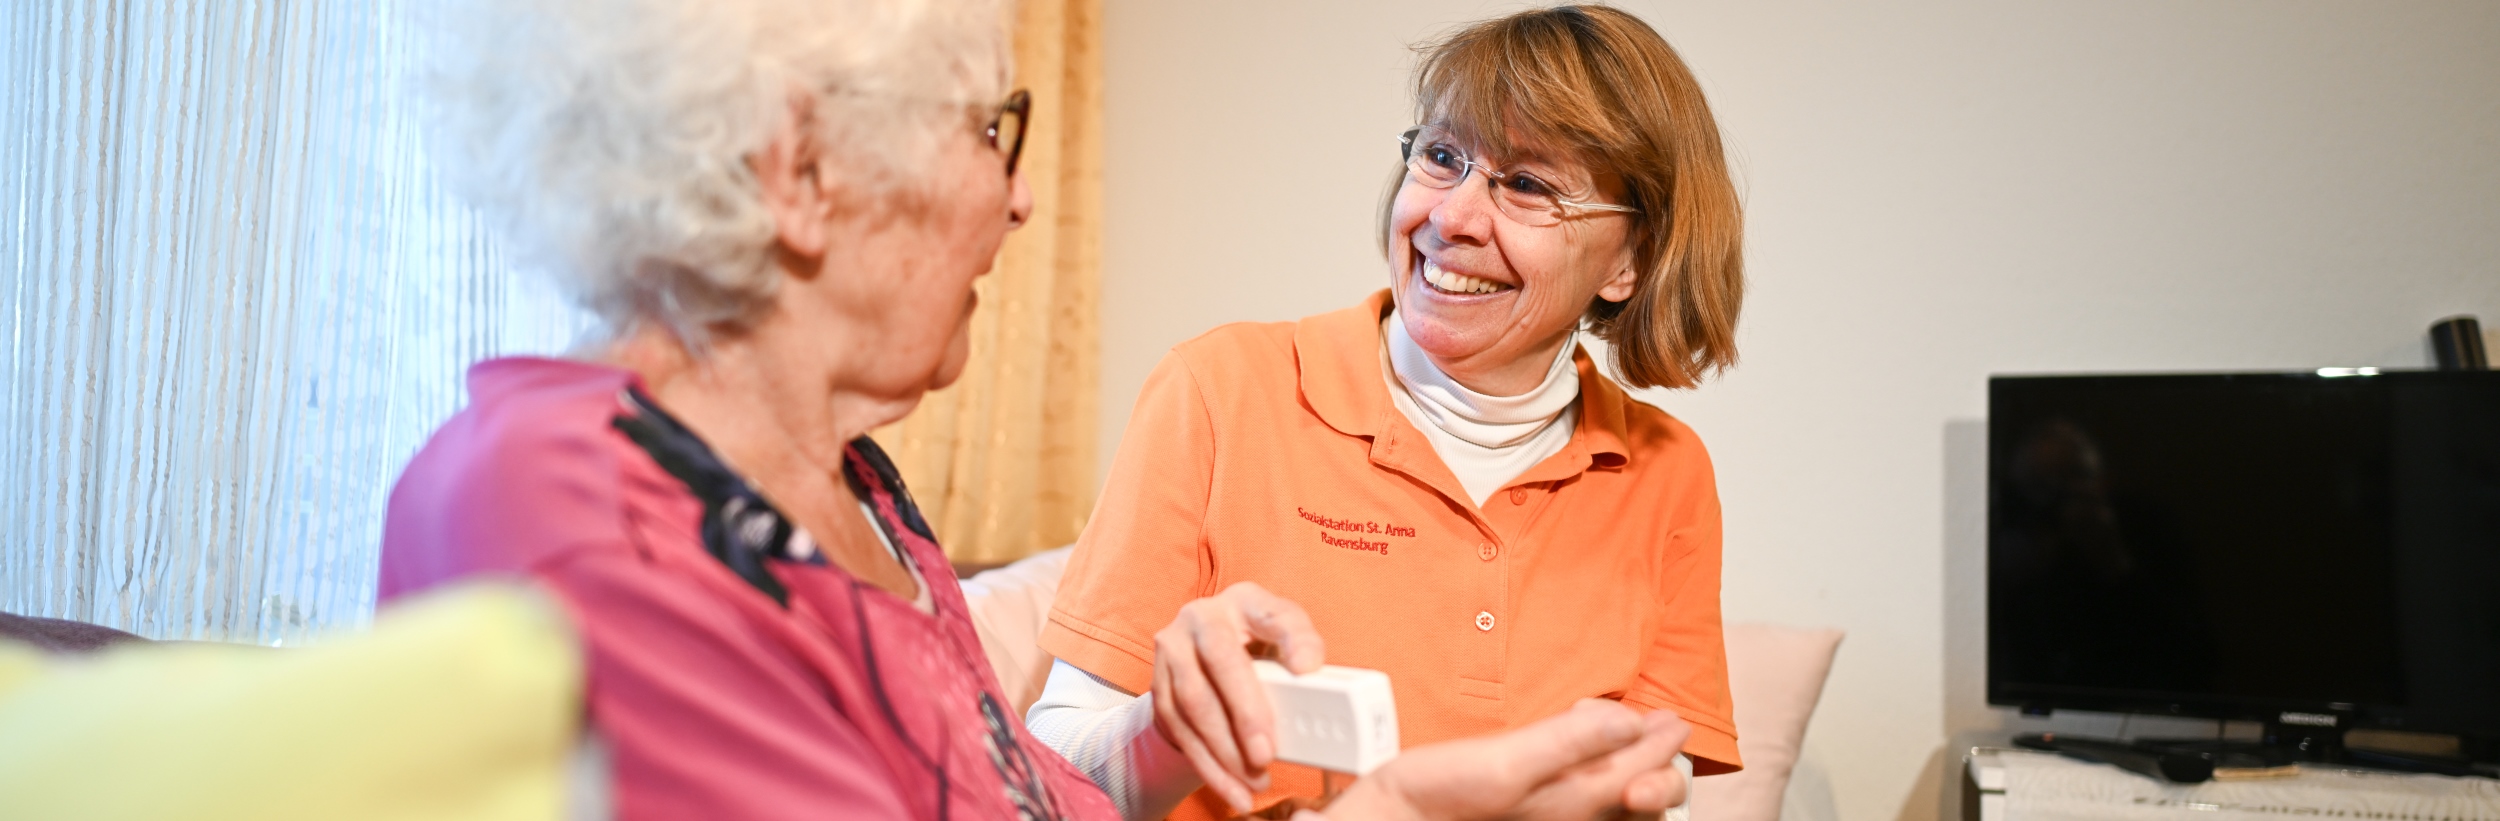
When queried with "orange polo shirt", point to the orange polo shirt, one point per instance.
{"points": [[1271, 453]]}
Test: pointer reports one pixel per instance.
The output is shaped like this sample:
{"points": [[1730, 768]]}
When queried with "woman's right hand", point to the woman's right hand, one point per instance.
{"points": [[1208, 701], [1595, 759]]}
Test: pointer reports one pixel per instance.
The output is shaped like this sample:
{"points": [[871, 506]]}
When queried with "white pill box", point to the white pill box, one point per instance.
{"points": [[1336, 718]]}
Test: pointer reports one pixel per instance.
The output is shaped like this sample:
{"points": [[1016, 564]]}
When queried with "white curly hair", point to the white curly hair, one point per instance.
{"points": [[606, 141]]}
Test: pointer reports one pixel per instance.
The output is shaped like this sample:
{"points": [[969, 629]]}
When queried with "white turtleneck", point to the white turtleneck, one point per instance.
{"points": [[1486, 440]]}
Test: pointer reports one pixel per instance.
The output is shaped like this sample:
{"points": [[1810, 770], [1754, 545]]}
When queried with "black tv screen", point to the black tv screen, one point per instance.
{"points": [[2239, 545]]}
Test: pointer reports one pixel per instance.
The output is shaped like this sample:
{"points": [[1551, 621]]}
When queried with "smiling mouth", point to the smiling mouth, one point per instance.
{"points": [[1458, 284]]}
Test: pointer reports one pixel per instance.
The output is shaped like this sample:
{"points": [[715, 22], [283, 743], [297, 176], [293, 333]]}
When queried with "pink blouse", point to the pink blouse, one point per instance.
{"points": [[732, 673]]}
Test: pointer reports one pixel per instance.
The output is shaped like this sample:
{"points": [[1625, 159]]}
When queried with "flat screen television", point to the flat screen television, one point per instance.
{"points": [[2299, 547]]}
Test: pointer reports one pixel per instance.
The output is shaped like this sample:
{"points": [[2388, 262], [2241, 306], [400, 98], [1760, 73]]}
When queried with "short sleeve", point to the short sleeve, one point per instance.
{"points": [[702, 716], [1685, 666], [1144, 552]]}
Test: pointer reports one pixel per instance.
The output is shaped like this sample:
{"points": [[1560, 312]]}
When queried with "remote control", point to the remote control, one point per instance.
{"points": [[1336, 718]]}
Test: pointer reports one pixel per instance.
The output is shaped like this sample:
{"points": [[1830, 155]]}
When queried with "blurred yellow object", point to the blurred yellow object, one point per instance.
{"points": [[462, 704]]}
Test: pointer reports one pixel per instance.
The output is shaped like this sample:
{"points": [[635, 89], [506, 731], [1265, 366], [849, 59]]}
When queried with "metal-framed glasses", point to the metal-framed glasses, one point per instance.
{"points": [[1434, 159], [1006, 128]]}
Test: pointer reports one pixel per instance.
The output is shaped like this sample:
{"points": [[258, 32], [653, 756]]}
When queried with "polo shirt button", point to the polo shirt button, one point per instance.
{"points": [[1484, 621], [1487, 551], [1519, 496]]}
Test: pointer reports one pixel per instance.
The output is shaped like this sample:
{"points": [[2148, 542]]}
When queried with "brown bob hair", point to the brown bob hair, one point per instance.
{"points": [[1602, 85]]}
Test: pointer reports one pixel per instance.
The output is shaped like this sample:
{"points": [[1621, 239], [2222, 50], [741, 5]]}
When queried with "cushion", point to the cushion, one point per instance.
{"points": [[1776, 675], [463, 704]]}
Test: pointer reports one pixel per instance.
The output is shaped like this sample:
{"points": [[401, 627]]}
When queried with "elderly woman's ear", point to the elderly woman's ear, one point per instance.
{"points": [[789, 176]]}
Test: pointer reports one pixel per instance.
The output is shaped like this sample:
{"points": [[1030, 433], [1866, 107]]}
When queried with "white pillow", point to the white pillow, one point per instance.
{"points": [[1775, 675]]}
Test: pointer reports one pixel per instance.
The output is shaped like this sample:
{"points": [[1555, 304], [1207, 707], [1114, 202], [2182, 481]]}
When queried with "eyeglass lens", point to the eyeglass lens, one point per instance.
{"points": [[1438, 161], [1007, 132]]}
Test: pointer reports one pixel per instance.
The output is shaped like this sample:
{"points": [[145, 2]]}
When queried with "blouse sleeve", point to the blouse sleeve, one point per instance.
{"points": [[698, 719], [1144, 552]]}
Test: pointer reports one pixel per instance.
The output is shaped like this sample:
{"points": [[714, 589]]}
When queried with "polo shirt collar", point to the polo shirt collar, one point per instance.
{"points": [[1339, 356], [1605, 424]]}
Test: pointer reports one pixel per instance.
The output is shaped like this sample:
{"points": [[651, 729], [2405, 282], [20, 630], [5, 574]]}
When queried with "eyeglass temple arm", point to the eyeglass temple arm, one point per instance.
{"points": [[1596, 206]]}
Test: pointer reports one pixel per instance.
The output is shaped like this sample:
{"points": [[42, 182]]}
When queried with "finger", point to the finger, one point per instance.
{"points": [[1203, 708], [1176, 729], [1278, 621], [1662, 736], [1586, 733], [1614, 779], [1667, 730], [1236, 684], [1654, 791], [1223, 783], [1166, 719]]}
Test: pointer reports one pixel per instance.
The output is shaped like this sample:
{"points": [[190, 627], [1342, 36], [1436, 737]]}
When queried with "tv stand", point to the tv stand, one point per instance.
{"points": [[2196, 760], [2060, 786]]}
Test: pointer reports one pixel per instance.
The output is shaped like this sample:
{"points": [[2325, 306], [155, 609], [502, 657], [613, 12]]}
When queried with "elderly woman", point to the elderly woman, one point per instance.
{"points": [[778, 208], [1438, 474]]}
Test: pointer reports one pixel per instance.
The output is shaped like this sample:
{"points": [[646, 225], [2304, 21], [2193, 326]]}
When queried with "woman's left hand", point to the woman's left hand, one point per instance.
{"points": [[1208, 701]]}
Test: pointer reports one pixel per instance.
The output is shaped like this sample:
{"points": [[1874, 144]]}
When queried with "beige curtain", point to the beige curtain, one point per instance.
{"points": [[1003, 462]]}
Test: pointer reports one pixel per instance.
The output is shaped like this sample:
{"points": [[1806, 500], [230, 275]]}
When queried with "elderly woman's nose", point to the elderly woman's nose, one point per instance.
{"points": [[1019, 200]]}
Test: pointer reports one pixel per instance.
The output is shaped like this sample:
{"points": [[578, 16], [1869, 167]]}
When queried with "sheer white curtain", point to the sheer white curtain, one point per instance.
{"points": [[236, 303]]}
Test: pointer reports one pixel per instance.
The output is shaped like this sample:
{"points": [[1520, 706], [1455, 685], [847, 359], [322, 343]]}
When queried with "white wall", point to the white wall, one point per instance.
{"points": [[1936, 193]]}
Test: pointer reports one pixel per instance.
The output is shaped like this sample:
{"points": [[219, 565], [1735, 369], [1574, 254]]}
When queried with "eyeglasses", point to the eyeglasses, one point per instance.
{"points": [[1006, 128], [1436, 161]]}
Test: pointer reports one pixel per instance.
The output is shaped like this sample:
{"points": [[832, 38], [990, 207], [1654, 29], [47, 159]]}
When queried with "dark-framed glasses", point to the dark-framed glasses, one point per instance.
{"points": [[1007, 127], [1435, 159]]}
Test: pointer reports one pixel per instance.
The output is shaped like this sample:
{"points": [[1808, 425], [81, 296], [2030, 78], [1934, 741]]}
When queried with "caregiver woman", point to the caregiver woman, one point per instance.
{"points": [[1439, 475], [777, 209]]}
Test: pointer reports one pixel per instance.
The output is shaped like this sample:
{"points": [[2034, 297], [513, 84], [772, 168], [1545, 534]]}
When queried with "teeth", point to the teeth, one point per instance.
{"points": [[1459, 283]]}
